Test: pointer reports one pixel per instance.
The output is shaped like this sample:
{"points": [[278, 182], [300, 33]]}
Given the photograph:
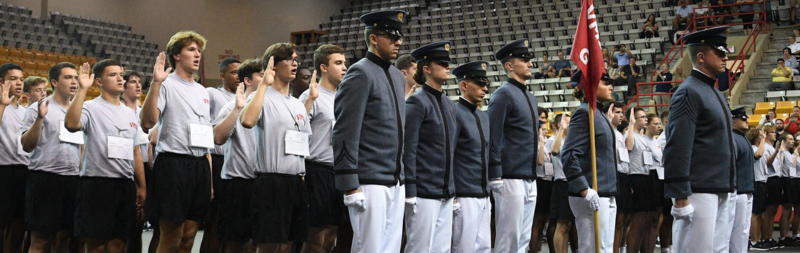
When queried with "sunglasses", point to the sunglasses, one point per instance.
{"points": [[392, 37]]}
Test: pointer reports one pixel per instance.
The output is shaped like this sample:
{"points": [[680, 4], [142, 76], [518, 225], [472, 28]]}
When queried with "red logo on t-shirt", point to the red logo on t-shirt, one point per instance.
{"points": [[205, 101], [300, 117], [133, 125]]}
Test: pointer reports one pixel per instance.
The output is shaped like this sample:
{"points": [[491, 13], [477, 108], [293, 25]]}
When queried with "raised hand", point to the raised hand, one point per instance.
{"points": [[84, 79], [630, 118], [240, 97], [313, 89], [269, 72], [563, 124], [159, 73], [5, 90], [608, 113], [43, 106]]}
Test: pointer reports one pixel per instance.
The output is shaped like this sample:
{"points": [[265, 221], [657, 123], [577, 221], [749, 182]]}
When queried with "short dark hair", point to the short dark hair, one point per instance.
{"points": [[6, 67], [367, 33], [542, 110], [248, 68], [622, 125], [557, 119], [616, 104], [129, 73], [632, 57], [100, 67], [223, 67], [635, 110], [404, 61], [55, 71], [696, 49], [664, 115], [322, 55], [780, 120], [279, 51], [781, 60], [31, 81]]}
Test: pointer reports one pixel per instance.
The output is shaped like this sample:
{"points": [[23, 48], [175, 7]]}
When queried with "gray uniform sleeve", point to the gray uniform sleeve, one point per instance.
{"points": [[498, 108], [680, 143], [414, 115], [349, 108], [576, 144]]}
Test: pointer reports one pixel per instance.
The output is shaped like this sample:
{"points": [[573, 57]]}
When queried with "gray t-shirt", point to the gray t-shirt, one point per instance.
{"points": [[279, 114], [10, 133], [771, 170], [558, 168], [656, 150], [142, 138], [783, 162], [322, 120], [622, 167], [548, 161], [760, 166], [51, 154], [240, 148], [219, 97], [636, 155], [181, 103], [100, 121]]}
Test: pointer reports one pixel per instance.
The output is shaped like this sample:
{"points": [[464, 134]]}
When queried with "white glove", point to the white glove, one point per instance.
{"points": [[412, 203], [456, 208], [592, 199], [684, 213], [355, 200], [496, 185]]}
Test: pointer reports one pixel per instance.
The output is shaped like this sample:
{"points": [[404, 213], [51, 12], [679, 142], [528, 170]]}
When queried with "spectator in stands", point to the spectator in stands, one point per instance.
{"points": [[34, 88], [613, 69], [779, 126], [650, 27], [622, 54], [703, 14], [747, 18], [663, 76], [562, 66], [790, 61], [794, 45], [407, 65], [606, 57], [720, 10], [683, 13], [781, 76], [792, 123], [629, 76], [546, 69], [301, 81], [769, 120]]}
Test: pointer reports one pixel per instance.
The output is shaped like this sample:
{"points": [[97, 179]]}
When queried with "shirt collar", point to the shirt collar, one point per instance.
{"points": [[427, 87], [738, 132], [466, 103], [696, 73], [378, 60], [518, 84]]}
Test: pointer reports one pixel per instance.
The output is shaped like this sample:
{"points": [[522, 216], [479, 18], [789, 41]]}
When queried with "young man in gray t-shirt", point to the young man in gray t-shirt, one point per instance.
{"points": [[107, 194], [13, 163]]}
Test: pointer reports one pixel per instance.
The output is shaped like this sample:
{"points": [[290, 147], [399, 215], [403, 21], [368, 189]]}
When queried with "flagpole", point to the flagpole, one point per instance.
{"points": [[594, 178]]}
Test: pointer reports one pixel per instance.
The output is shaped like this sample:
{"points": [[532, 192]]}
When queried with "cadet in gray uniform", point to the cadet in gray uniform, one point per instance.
{"points": [[280, 122], [368, 137], [180, 188], [326, 207], [238, 170], [218, 97], [52, 183], [472, 219], [430, 142], [107, 195], [577, 159], [514, 132], [13, 161], [699, 167], [742, 202]]}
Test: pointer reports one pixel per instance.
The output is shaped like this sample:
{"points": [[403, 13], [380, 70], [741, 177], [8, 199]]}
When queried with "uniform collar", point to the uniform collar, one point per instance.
{"points": [[466, 103], [427, 87], [518, 84], [378, 60], [702, 76], [738, 132]]}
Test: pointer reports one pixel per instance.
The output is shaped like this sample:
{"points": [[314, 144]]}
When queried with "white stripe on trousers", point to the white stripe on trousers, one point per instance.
{"points": [[584, 222], [708, 227], [740, 224], [378, 228], [514, 207], [472, 226], [430, 228]]}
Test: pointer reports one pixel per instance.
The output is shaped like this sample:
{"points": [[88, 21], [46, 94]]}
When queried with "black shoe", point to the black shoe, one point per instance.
{"points": [[760, 246], [786, 242], [772, 244]]}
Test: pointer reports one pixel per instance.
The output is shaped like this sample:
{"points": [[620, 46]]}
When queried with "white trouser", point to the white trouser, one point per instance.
{"points": [[378, 228], [472, 226], [584, 222], [709, 224], [740, 224], [514, 206], [430, 228]]}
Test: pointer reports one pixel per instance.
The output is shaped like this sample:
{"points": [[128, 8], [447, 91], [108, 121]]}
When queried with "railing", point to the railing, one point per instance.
{"points": [[677, 49]]}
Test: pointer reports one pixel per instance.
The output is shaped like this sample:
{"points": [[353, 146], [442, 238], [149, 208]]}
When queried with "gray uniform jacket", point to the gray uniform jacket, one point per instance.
{"points": [[471, 160], [577, 157], [430, 141], [699, 152], [368, 134], [745, 161], [514, 132]]}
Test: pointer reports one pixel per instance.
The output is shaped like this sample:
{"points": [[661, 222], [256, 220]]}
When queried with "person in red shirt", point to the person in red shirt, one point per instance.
{"points": [[792, 124]]}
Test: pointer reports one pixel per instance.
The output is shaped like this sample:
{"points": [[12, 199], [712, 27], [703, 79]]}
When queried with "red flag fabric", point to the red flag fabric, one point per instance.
{"points": [[587, 52]]}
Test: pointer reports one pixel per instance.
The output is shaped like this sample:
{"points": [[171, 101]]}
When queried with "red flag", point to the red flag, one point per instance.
{"points": [[587, 52]]}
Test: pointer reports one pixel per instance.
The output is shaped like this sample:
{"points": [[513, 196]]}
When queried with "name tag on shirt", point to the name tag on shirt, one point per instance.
{"points": [[66, 136], [21, 151], [623, 155], [296, 143], [648, 157], [120, 148], [202, 136], [333, 123], [660, 172], [548, 169]]}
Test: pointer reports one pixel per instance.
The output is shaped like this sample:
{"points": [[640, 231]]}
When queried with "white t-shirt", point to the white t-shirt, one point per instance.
{"points": [[51, 154], [219, 97], [279, 114], [240, 148], [622, 167], [10, 133], [101, 120], [322, 120], [637, 166], [181, 103], [558, 168], [548, 161]]}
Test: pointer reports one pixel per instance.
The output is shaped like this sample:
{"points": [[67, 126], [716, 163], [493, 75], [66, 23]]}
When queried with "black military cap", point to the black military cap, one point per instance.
{"points": [[439, 51], [714, 37], [389, 20], [739, 113], [517, 48], [475, 71]]}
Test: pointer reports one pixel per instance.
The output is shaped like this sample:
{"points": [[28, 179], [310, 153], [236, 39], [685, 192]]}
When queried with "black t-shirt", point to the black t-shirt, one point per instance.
{"points": [[627, 70]]}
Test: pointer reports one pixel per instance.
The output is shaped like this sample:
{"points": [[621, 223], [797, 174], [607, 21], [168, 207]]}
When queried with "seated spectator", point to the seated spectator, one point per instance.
{"points": [[703, 14], [781, 76], [546, 69], [769, 120], [628, 76], [663, 76], [747, 18], [791, 61], [720, 10], [794, 46], [792, 124], [613, 69], [606, 57], [562, 65], [683, 13], [622, 55], [650, 27]]}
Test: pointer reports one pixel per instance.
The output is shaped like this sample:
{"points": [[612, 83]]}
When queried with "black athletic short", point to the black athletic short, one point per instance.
{"points": [[233, 220], [544, 195], [792, 186], [624, 197], [325, 202], [216, 169], [12, 192], [775, 191], [643, 198], [559, 202], [179, 188], [759, 197], [658, 190], [105, 208], [50, 201], [279, 209]]}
